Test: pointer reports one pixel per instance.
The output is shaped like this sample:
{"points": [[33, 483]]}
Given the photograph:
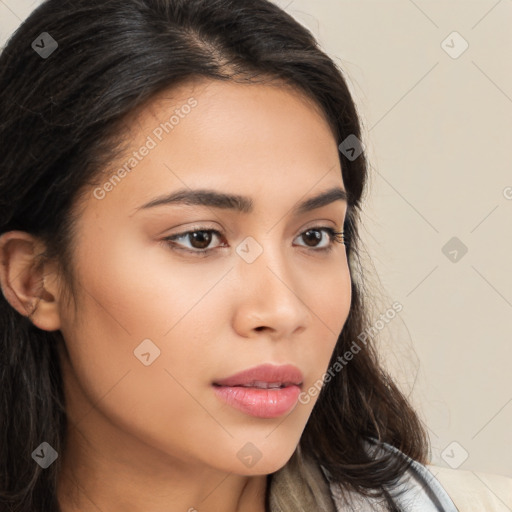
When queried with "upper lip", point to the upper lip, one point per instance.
{"points": [[268, 373]]}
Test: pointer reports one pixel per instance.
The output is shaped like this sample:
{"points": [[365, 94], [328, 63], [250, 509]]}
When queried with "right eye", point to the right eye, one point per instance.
{"points": [[201, 237]]}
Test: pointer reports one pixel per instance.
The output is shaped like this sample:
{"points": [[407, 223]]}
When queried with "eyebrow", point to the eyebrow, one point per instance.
{"points": [[243, 204]]}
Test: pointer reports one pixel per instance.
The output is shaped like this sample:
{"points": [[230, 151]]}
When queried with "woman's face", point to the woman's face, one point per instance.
{"points": [[159, 323]]}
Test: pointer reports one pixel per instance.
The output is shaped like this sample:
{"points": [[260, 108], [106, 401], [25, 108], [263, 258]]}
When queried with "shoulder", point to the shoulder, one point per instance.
{"points": [[417, 489], [473, 491], [433, 488]]}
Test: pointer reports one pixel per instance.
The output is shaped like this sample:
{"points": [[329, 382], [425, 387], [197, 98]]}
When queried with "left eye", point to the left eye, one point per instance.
{"points": [[317, 234], [201, 239]]}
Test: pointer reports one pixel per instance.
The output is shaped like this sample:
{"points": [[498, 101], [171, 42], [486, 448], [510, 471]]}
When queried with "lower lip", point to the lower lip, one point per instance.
{"points": [[262, 403]]}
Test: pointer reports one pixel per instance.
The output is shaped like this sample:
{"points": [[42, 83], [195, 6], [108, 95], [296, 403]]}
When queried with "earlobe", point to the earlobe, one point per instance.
{"points": [[31, 289]]}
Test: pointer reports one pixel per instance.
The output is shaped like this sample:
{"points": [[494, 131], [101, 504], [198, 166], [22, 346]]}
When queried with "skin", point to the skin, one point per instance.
{"points": [[156, 438]]}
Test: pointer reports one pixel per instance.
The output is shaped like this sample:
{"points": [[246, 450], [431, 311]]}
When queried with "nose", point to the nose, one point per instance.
{"points": [[271, 296]]}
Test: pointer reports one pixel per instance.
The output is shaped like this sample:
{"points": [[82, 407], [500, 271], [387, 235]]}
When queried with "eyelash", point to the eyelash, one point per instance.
{"points": [[334, 236]]}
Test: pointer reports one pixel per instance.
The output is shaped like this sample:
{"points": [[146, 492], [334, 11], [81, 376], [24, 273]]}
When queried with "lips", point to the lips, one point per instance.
{"points": [[266, 391], [265, 376]]}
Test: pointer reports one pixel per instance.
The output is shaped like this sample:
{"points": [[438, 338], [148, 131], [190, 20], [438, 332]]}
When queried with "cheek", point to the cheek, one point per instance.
{"points": [[329, 304], [151, 402], [329, 296], [137, 299], [137, 287]]}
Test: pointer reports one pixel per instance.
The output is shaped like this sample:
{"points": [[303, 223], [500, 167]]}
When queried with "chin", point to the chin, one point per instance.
{"points": [[263, 458]]}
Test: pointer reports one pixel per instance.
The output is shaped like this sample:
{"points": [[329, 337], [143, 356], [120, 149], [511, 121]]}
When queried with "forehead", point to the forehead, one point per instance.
{"points": [[228, 112], [246, 137]]}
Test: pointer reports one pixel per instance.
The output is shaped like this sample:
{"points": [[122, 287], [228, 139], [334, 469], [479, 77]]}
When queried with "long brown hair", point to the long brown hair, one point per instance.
{"points": [[61, 124]]}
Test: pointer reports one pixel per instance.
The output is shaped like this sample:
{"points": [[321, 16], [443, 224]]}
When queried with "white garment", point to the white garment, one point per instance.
{"points": [[417, 491], [424, 489], [437, 489]]}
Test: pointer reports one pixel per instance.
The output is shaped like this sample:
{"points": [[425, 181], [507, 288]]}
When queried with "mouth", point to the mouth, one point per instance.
{"points": [[265, 391], [262, 385], [265, 375]]}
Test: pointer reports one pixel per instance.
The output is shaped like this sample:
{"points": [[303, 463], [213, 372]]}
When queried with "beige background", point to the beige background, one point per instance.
{"points": [[438, 131]]}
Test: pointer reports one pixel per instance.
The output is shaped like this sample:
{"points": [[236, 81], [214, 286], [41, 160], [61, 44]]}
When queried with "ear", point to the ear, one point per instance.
{"points": [[29, 287]]}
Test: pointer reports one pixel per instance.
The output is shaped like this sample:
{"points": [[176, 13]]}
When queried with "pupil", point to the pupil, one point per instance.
{"points": [[317, 235], [203, 237]]}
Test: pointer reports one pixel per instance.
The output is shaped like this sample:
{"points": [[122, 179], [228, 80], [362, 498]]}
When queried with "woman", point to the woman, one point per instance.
{"points": [[183, 300]]}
